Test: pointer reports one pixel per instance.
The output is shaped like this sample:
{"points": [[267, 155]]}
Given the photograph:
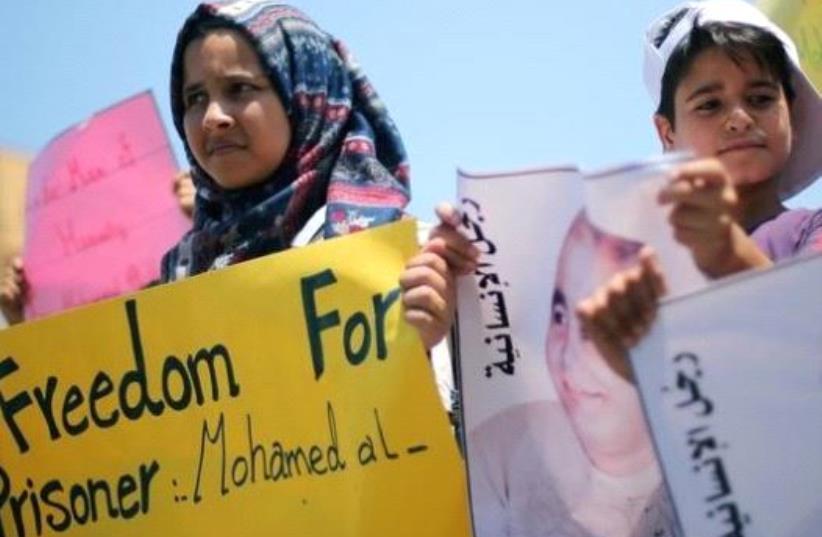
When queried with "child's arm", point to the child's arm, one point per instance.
{"points": [[13, 291], [429, 280], [705, 220], [621, 312]]}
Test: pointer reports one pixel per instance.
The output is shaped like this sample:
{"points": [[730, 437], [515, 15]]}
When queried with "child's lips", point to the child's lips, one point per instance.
{"points": [[223, 146], [576, 393], [742, 145]]}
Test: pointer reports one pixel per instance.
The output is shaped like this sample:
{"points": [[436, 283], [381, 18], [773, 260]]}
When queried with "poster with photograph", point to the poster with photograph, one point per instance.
{"points": [[556, 441]]}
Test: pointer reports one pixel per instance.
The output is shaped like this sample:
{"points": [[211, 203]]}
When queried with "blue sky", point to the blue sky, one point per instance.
{"points": [[473, 84]]}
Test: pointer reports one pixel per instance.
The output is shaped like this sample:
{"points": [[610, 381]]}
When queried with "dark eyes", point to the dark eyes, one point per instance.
{"points": [[559, 314], [762, 100], [234, 91], [239, 88], [193, 99], [709, 105], [559, 309], [758, 101]]}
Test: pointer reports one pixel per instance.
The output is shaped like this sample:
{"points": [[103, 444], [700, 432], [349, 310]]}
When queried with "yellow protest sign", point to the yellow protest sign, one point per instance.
{"points": [[802, 19], [282, 396]]}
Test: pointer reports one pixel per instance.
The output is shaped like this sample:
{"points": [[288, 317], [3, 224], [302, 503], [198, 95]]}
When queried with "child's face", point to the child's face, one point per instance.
{"points": [[603, 408], [234, 121], [737, 113]]}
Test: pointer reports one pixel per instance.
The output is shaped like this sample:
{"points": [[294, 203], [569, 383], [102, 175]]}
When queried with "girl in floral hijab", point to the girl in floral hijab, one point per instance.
{"points": [[280, 123]]}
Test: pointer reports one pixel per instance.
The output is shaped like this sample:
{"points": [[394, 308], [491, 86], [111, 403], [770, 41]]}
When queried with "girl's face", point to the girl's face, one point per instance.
{"points": [[234, 121], [735, 112]]}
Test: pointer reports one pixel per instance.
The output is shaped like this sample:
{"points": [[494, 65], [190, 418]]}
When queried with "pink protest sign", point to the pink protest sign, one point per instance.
{"points": [[100, 210]]}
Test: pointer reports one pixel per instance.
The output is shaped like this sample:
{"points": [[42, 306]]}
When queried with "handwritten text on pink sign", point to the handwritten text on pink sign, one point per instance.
{"points": [[100, 209]]}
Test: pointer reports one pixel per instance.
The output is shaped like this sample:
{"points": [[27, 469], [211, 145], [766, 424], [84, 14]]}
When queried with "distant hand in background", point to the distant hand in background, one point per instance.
{"points": [[185, 191], [13, 291]]}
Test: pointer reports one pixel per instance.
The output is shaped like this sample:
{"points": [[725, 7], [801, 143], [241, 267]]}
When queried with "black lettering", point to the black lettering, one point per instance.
{"points": [[315, 459], [46, 403], [146, 475], [388, 453], [381, 306], [35, 508], [316, 324], [254, 450], [335, 461], [126, 486], [78, 492], [137, 376], [17, 503], [240, 467], [93, 488], [74, 398], [171, 365], [295, 458], [366, 452], [208, 357], [356, 357], [14, 405], [5, 491], [101, 386], [46, 494], [219, 435]]}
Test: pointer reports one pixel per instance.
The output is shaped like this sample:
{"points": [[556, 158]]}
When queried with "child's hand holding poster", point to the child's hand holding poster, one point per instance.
{"points": [[100, 211]]}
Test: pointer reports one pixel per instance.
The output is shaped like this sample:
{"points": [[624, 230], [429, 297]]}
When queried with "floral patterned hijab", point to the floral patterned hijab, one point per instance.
{"points": [[345, 150]]}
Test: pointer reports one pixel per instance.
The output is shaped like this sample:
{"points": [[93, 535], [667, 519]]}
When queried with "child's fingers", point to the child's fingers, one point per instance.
{"points": [[430, 329], [18, 274], [699, 219], [596, 327], [426, 284], [424, 275], [609, 316], [709, 170], [428, 296], [182, 180], [655, 278], [703, 182], [12, 296], [700, 239], [428, 259], [426, 299], [448, 214], [8, 292], [698, 193], [460, 254], [637, 308], [646, 303], [621, 305], [420, 319]]}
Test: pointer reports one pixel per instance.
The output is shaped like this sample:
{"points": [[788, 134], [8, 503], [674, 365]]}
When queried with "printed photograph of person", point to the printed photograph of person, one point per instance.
{"points": [[580, 465]]}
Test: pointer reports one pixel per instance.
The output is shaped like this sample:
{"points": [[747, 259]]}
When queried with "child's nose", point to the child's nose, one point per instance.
{"points": [[738, 120], [217, 116]]}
